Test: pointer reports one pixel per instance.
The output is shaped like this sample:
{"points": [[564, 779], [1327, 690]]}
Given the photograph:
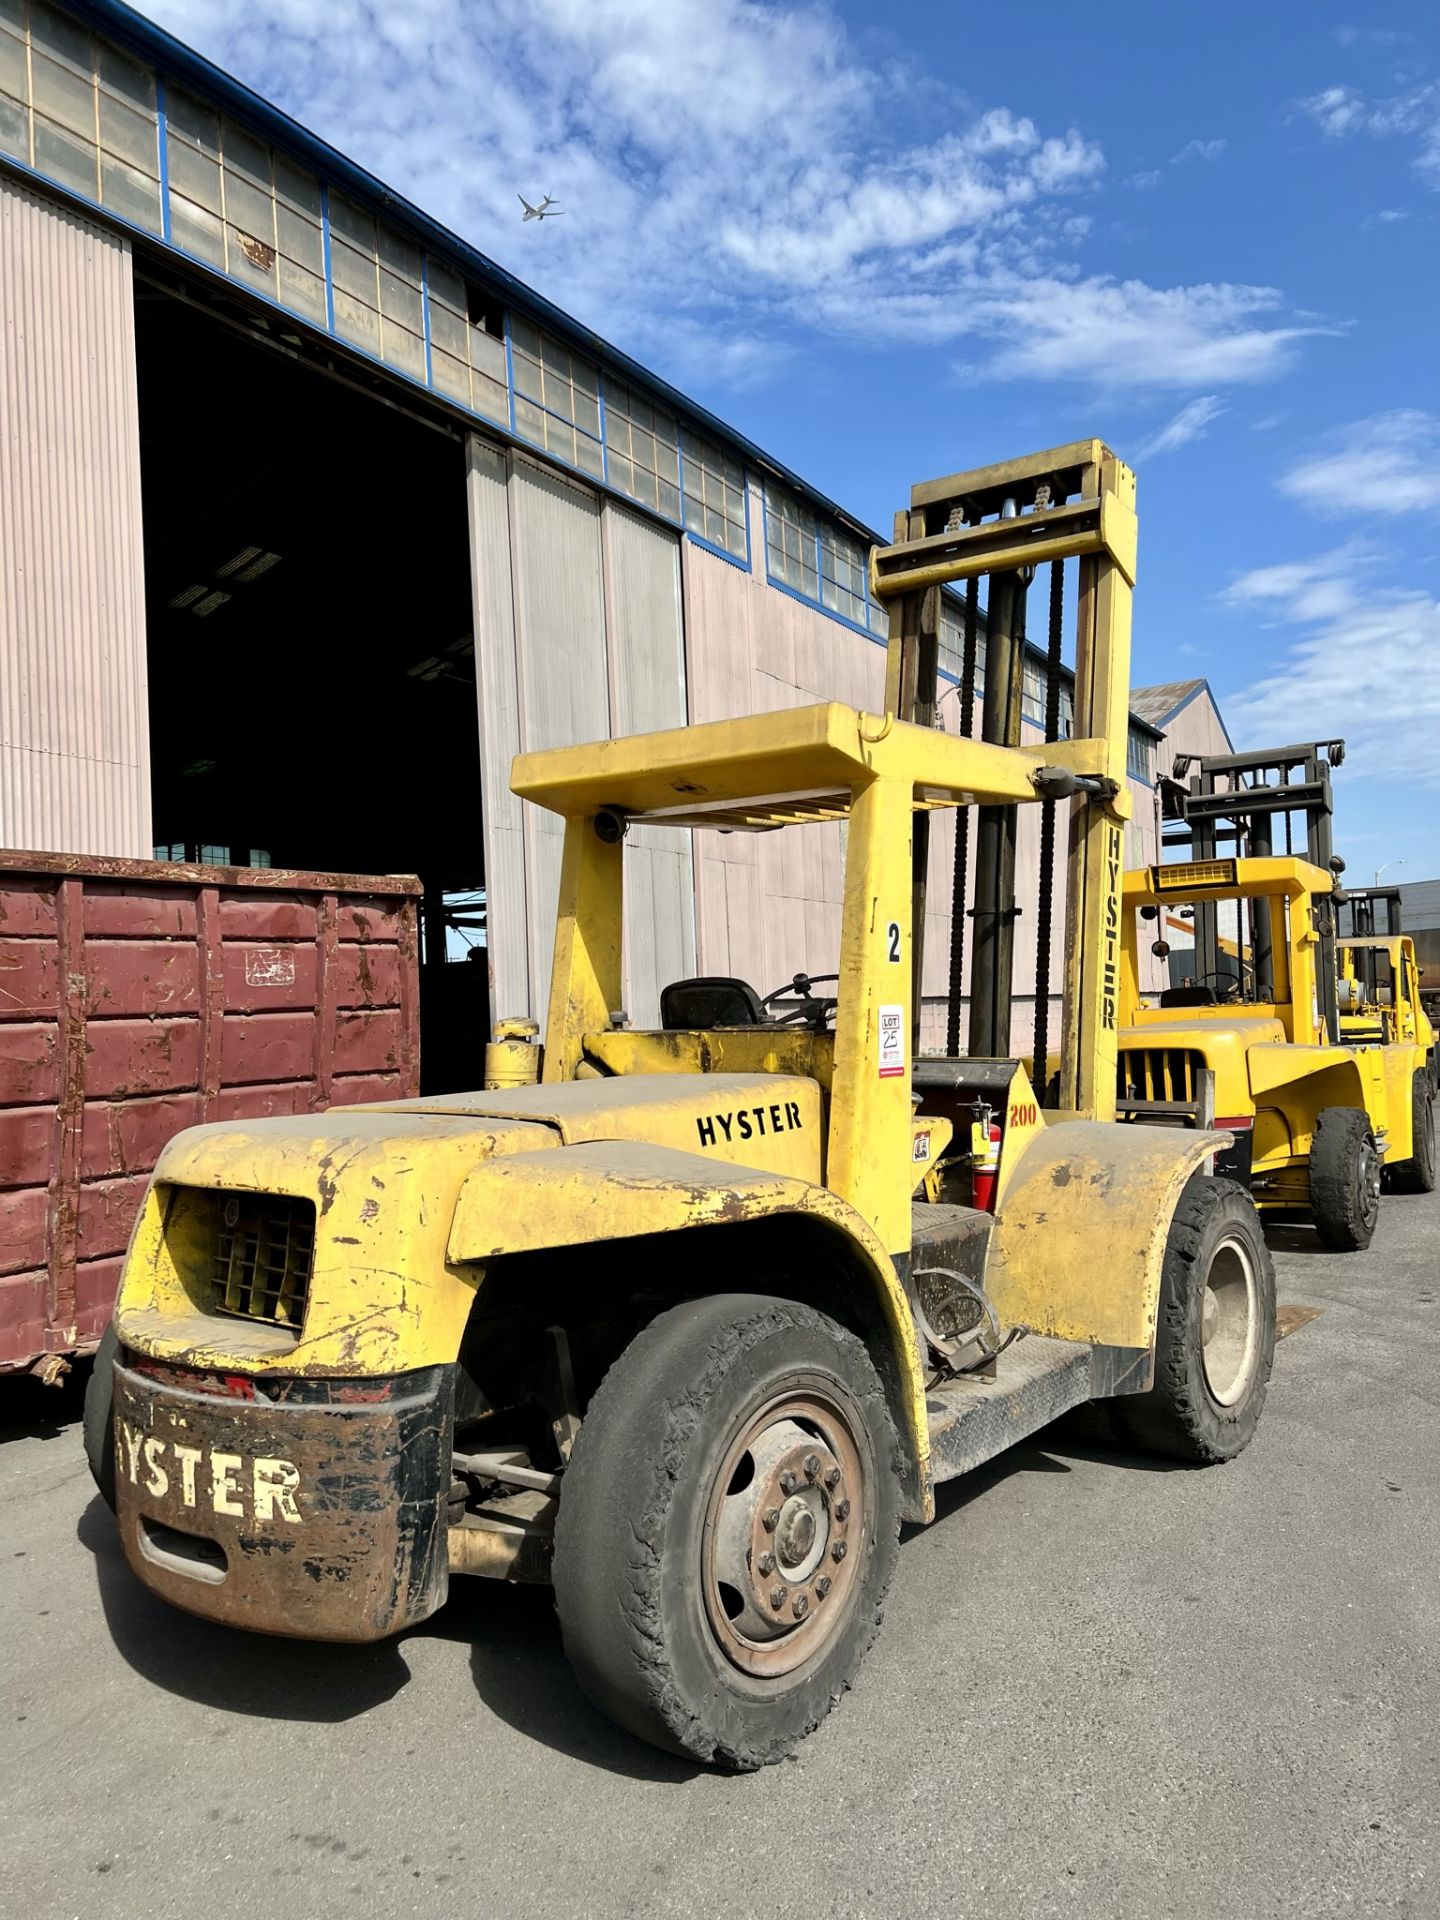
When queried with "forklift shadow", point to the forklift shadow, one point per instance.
{"points": [[225, 1667], [521, 1673], [1088, 1433], [1293, 1236]]}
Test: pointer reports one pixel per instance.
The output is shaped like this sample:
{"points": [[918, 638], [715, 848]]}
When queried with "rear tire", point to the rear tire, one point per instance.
{"points": [[99, 1418], [1215, 1339], [1417, 1174], [726, 1413], [1345, 1179]]}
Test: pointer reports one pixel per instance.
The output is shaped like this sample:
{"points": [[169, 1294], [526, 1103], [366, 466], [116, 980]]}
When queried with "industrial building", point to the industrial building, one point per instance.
{"points": [[312, 516]]}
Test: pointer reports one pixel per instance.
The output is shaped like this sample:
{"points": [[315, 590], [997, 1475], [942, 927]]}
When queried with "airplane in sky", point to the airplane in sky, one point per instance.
{"points": [[545, 211]]}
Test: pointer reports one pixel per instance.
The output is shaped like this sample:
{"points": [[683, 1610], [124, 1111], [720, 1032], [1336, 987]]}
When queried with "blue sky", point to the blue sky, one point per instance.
{"points": [[889, 243]]}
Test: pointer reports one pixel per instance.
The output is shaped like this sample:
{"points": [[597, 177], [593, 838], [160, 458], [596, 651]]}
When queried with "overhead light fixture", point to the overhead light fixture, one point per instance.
{"points": [[234, 564], [204, 608], [257, 567], [188, 597]]}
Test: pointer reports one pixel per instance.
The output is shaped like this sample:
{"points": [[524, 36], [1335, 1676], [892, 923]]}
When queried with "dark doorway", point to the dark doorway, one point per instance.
{"points": [[311, 674]]}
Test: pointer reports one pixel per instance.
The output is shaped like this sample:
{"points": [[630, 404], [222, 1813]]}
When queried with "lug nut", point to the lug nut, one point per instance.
{"points": [[842, 1509], [832, 1478], [822, 1586], [802, 1605], [766, 1563], [777, 1598], [770, 1519], [788, 1481], [812, 1465], [837, 1552]]}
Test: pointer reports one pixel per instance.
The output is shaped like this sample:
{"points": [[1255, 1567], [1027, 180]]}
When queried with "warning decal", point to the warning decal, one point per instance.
{"points": [[892, 1042]]}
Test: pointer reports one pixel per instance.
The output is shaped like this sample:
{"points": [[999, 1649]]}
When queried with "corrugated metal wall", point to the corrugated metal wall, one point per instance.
{"points": [[74, 733], [579, 635]]}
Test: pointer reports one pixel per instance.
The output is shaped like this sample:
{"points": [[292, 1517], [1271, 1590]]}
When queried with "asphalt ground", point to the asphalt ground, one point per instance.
{"points": [[1101, 1688]]}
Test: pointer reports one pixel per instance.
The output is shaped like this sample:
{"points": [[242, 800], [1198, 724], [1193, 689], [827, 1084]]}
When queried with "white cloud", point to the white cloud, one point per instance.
{"points": [[1146, 181], [1374, 36], [735, 177], [1354, 643], [1190, 423], [1207, 150], [1389, 464], [1125, 333], [1342, 111]]}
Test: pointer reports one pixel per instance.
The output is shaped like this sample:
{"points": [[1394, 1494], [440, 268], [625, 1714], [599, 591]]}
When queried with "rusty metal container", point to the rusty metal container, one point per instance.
{"points": [[137, 998]]}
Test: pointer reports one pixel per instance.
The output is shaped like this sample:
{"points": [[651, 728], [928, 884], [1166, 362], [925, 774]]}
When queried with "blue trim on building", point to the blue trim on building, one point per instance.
{"points": [[162, 135], [325, 256], [509, 371], [707, 546], [425, 319]]}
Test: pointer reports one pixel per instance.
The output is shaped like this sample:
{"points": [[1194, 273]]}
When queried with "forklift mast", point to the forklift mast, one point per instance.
{"points": [[1231, 801], [1004, 523]]}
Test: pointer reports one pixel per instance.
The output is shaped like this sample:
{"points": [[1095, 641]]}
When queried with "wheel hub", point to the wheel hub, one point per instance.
{"points": [[788, 1502], [1229, 1322]]}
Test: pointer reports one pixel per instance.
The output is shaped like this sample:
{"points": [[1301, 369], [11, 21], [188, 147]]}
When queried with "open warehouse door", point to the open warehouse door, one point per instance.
{"points": [[311, 667]]}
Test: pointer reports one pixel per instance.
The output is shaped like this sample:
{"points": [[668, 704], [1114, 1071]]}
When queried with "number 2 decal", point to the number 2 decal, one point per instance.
{"points": [[892, 936]]}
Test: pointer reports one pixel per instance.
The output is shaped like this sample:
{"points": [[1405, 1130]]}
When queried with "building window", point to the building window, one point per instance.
{"points": [[376, 275], [791, 547], [952, 642], [842, 574], [78, 111], [714, 495], [557, 398], [244, 209], [467, 344], [642, 450], [1138, 757]]}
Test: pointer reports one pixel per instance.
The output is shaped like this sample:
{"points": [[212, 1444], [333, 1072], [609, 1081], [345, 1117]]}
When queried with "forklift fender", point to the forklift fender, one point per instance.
{"points": [[601, 1190], [1080, 1240]]}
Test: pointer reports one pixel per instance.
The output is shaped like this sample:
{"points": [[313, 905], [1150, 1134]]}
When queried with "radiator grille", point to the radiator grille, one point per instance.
{"points": [[1158, 1073], [264, 1247], [1178, 876]]}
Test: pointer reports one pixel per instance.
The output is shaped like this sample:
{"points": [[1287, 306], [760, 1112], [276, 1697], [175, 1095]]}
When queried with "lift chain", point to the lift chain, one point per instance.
{"points": [[962, 823], [1045, 904]]}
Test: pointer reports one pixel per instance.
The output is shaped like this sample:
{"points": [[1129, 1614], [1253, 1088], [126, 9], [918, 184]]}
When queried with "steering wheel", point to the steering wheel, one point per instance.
{"points": [[1229, 986], [809, 1009]]}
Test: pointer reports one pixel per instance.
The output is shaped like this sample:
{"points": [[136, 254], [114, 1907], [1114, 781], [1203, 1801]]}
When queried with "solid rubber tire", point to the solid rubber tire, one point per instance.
{"points": [[1417, 1174], [1335, 1203], [98, 1422], [1180, 1417], [627, 1540]]}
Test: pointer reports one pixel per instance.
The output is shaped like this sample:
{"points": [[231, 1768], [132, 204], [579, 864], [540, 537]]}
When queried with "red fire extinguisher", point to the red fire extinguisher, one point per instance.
{"points": [[984, 1161]]}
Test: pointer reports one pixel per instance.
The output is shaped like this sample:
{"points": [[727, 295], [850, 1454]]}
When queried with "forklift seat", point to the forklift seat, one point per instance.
{"points": [[1189, 997], [688, 1005]]}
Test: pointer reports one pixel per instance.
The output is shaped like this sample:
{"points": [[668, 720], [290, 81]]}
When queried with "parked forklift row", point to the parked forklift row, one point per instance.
{"points": [[686, 1322]]}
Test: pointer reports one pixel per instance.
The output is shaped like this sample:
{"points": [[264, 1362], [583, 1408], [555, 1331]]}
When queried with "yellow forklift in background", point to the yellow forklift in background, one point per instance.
{"points": [[691, 1324], [1246, 1028]]}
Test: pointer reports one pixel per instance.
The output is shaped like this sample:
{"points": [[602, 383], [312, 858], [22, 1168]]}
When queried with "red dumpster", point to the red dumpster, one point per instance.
{"points": [[137, 998]]}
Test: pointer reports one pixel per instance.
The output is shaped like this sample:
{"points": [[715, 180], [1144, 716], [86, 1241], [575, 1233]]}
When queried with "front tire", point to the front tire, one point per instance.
{"points": [[98, 1423], [1345, 1179], [1215, 1338], [727, 1528], [1417, 1174]]}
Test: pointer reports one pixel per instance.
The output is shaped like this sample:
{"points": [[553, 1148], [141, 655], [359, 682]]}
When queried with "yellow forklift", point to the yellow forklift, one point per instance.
{"points": [[1381, 998], [1317, 1123], [689, 1325], [1245, 1026]]}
